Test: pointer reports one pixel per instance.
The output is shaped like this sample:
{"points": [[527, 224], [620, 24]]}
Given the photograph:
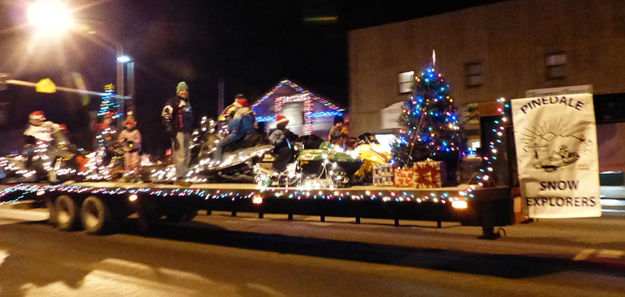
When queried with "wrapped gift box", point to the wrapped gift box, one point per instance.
{"points": [[383, 181], [404, 177], [428, 174], [383, 175]]}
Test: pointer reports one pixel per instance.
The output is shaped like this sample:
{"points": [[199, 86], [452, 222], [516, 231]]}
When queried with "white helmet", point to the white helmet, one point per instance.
{"points": [[36, 117]]}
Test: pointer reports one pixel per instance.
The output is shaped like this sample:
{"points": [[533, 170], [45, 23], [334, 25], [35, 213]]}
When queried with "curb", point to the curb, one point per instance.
{"points": [[604, 258], [27, 204]]}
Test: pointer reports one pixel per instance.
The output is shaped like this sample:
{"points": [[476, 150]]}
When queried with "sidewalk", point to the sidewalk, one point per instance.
{"points": [[594, 241]]}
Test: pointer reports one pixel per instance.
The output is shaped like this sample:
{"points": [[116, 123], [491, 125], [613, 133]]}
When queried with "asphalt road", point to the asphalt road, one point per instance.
{"points": [[220, 255]]}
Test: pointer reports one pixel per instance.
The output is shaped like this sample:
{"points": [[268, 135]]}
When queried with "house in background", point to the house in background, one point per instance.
{"points": [[307, 112]]}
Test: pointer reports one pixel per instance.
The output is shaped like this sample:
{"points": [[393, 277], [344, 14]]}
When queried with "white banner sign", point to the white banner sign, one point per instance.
{"points": [[556, 146], [559, 90]]}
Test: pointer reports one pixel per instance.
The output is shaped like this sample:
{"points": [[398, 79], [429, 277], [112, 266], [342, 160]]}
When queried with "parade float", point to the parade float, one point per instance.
{"points": [[415, 179]]}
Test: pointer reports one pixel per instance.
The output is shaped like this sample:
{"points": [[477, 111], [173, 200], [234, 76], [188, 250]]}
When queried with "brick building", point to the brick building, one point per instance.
{"points": [[498, 50]]}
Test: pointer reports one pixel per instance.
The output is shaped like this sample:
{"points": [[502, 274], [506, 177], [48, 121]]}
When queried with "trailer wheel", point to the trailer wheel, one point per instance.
{"points": [[51, 210], [181, 216], [67, 212], [96, 216]]}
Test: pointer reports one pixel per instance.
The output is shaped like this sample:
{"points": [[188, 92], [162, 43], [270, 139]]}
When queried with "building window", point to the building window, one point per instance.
{"points": [[556, 65], [406, 82], [475, 77]]}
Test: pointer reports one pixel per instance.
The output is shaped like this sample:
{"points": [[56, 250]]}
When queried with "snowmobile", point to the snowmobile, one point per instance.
{"points": [[55, 161], [238, 159], [370, 151], [329, 162], [266, 175]]}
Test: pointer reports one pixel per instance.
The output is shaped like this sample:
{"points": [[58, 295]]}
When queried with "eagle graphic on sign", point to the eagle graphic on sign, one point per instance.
{"points": [[555, 144]]}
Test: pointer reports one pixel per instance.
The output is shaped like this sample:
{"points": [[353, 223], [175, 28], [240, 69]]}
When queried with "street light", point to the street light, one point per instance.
{"points": [[125, 60], [50, 16]]}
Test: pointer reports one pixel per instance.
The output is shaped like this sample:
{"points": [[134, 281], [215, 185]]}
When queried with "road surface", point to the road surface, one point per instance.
{"points": [[219, 255]]}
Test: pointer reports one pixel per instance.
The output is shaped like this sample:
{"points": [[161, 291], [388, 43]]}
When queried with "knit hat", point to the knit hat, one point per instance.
{"points": [[281, 119], [241, 100], [181, 86]]}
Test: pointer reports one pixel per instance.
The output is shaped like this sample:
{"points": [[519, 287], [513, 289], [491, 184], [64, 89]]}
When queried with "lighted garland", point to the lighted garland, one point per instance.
{"points": [[442, 197], [299, 89], [493, 146], [24, 192], [303, 95], [488, 160]]}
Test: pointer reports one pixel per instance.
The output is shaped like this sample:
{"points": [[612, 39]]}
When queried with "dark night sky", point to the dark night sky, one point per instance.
{"points": [[251, 45]]}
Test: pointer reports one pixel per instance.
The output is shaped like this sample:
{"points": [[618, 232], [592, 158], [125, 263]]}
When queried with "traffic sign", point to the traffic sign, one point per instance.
{"points": [[45, 86]]}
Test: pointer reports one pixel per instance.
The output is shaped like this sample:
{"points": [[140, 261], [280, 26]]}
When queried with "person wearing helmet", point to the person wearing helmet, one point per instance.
{"points": [[178, 120], [39, 136], [130, 138], [39, 130], [241, 124]]}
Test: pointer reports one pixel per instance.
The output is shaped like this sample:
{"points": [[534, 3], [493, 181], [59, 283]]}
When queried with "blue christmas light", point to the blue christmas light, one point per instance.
{"points": [[325, 114], [262, 119]]}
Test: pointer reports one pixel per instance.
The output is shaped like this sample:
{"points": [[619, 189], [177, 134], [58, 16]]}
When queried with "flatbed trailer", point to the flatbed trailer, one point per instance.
{"points": [[98, 207]]}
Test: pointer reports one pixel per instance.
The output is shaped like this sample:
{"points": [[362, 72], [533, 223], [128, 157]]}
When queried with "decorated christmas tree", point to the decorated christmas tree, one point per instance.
{"points": [[108, 112], [429, 124], [109, 106]]}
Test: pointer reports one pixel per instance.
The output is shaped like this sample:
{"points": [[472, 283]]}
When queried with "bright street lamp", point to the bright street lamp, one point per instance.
{"points": [[123, 59], [53, 17], [50, 16], [125, 62]]}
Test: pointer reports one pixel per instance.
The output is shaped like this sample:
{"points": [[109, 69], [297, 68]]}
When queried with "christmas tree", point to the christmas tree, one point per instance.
{"points": [[429, 125], [108, 111], [109, 106]]}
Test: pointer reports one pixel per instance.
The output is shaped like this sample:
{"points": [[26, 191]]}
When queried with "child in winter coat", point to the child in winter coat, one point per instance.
{"points": [[281, 138], [130, 138]]}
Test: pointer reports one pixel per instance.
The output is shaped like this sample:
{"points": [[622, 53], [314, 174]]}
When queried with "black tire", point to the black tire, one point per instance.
{"points": [[340, 178], [96, 216], [181, 216], [67, 213], [51, 210]]}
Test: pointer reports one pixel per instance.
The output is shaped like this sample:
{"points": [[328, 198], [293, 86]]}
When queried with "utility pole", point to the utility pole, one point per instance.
{"points": [[120, 84], [220, 96]]}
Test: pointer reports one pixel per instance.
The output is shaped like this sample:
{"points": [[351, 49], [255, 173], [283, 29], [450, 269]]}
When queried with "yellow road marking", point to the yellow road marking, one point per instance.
{"points": [[584, 255], [614, 254]]}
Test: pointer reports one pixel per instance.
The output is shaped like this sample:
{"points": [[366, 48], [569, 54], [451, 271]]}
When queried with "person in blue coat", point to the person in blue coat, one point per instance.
{"points": [[242, 124]]}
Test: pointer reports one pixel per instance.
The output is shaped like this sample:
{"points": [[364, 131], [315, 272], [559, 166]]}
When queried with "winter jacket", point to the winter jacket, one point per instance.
{"points": [[131, 140], [42, 132], [177, 116], [242, 122], [281, 138]]}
